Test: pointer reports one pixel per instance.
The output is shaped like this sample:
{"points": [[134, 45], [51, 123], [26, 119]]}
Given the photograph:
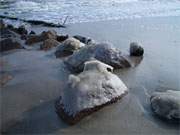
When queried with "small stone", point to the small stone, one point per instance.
{"points": [[62, 38], [166, 104], [136, 49], [48, 44]]}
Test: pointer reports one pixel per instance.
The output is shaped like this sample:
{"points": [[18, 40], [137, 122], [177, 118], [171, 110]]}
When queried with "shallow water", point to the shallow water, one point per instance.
{"points": [[88, 10]]}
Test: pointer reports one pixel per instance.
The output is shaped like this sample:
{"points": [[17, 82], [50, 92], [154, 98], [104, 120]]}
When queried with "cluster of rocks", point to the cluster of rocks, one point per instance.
{"points": [[95, 86]]}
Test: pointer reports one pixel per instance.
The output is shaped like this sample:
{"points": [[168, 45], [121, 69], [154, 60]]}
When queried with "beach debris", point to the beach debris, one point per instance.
{"points": [[89, 91], [61, 38], [48, 44], [68, 47], [10, 44], [103, 52], [32, 39], [136, 49], [83, 39], [166, 104], [32, 33]]}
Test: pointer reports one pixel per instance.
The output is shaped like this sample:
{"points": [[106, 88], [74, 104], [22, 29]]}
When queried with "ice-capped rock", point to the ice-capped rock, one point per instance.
{"points": [[89, 91]]}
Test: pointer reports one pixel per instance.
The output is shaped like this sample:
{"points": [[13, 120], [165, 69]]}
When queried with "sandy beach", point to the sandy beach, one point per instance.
{"points": [[38, 77]]}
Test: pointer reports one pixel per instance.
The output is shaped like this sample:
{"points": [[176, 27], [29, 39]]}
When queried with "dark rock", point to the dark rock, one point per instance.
{"points": [[103, 52], [62, 38], [136, 50], [9, 44], [22, 30], [32, 33], [166, 104], [2, 24], [84, 40], [48, 44], [68, 47]]}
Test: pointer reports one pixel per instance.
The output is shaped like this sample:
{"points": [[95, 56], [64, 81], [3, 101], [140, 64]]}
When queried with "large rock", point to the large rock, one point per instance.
{"points": [[32, 39], [89, 91], [166, 104], [48, 44], [68, 47], [102, 52], [136, 49], [9, 44]]}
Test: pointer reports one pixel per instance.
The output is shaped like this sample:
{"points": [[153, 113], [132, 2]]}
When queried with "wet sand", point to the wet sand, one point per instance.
{"points": [[27, 100]]}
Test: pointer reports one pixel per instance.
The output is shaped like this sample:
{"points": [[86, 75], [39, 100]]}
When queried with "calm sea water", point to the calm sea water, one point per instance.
{"points": [[88, 10]]}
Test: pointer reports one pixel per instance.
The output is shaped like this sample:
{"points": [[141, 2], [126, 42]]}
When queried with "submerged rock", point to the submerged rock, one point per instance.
{"points": [[166, 104], [136, 49], [48, 44], [68, 47], [83, 39], [102, 52], [89, 91], [9, 44]]}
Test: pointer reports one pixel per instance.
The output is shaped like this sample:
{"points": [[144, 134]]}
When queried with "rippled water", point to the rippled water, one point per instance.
{"points": [[88, 10]]}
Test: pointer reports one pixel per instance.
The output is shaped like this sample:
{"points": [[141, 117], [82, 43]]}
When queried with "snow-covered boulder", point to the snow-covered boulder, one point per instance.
{"points": [[166, 104], [103, 52], [89, 91]]}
